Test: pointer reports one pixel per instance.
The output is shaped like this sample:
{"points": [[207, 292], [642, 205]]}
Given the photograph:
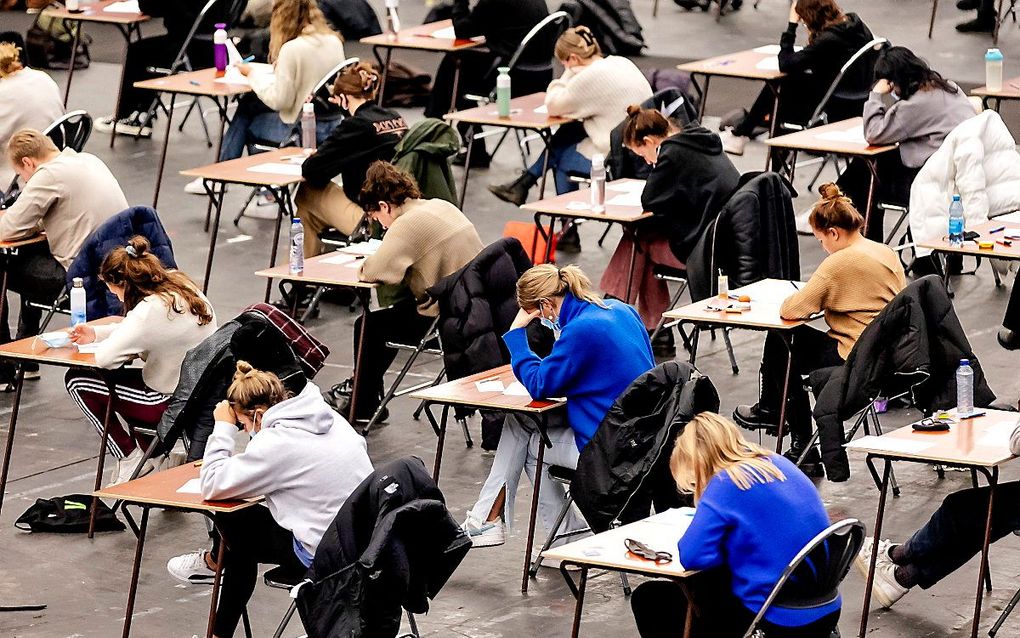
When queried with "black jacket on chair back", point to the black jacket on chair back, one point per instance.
{"points": [[624, 469], [622, 162], [753, 238], [915, 344], [392, 546]]}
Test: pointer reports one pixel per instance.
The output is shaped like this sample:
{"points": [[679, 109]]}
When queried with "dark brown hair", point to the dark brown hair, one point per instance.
{"points": [[384, 182], [252, 389], [819, 15], [142, 274], [579, 41], [642, 123], [359, 80], [834, 210]]}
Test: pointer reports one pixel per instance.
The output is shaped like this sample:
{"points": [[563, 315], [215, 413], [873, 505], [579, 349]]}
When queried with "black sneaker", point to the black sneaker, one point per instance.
{"points": [[752, 417], [977, 25], [1008, 339], [968, 5], [569, 241], [664, 345], [812, 465], [339, 398]]}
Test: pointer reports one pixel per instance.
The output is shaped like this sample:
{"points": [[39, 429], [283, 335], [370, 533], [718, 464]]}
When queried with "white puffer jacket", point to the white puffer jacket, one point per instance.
{"points": [[979, 161]]}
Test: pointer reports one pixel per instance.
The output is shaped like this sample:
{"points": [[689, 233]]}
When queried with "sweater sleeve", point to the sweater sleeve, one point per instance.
{"points": [[888, 125], [246, 475], [551, 376], [662, 190], [468, 23], [278, 90], [127, 340], [793, 61], [24, 218], [571, 96], [809, 300], [348, 144], [390, 262], [701, 546]]}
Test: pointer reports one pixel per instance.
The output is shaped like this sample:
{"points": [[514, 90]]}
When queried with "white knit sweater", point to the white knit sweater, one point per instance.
{"points": [[598, 95], [28, 99], [302, 62]]}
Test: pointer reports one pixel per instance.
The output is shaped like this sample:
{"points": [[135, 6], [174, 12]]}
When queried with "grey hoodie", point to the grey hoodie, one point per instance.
{"points": [[306, 460]]}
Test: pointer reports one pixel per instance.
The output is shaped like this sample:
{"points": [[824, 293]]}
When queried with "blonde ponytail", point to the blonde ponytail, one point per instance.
{"points": [[546, 280]]}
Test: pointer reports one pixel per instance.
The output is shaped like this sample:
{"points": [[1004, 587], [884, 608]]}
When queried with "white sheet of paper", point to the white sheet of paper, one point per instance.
{"points": [[446, 33], [768, 64], [632, 186], [772, 49], [339, 258], [366, 248], [88, 348], [998, 435], [125, 6], [578, 206], [890, 444], [625, 199], [277, 168], [490, 386], [853, 135], [515, 389], [193, 486], [541, 109], [674, 516]]}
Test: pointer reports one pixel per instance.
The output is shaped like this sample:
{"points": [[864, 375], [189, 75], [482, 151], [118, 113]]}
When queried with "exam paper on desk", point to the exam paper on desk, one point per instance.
{"points": [[625, 199], [768, 64], [365, 248], [125, 6], [891, 444], [853, 135], [773, 49], [193, 486], [277, 168], [449, 33]]}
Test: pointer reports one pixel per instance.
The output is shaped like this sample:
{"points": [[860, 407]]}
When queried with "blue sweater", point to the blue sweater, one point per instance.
{"points": [[755, 533], [599, 353]]}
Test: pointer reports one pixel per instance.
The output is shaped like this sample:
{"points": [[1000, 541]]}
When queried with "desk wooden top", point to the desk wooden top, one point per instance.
{"points": [[661, 532], [465, 392], [95, 12], [524, 114], [1012, 229], [160, 488], [1010, 90], [18, 243], [841, 138], [35, 349], [324, 269], [238, 171], [982, 441], [420, 37], [201, 82], [577, 204], [742, 64], [766, 296]]}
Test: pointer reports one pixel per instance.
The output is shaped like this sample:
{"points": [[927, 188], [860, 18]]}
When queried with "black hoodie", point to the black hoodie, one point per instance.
{"points": [[824, 57], [691, 181]]}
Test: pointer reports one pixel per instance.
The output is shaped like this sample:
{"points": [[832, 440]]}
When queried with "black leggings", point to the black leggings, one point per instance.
{"points": [[660, 611]]}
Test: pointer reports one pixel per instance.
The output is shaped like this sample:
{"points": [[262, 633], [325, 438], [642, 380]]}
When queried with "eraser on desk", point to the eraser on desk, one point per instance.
{"points": [[986, 245]]}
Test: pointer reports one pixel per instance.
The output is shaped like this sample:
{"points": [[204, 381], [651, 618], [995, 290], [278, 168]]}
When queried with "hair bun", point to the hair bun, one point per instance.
{"points": [[138, 245], [244, 368], [830, 191], [633, 110]]}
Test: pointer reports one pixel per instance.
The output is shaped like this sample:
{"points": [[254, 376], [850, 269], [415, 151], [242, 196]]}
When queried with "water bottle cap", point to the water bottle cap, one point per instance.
{"points": [[296, 221], [956, 198], [597, 159], [993, 55], [964, 362], [308, 107], [78, 282], [221, 25], [503, 69]]}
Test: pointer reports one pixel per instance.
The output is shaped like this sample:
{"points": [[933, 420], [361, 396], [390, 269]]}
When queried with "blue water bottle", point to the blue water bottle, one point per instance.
{"points": [[956, 222], [964, 389]]}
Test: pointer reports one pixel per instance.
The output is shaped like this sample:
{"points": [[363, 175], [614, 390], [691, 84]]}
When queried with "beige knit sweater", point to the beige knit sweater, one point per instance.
{"points": [[598, 95], [851, 287], [301, 64], [428, 240]]}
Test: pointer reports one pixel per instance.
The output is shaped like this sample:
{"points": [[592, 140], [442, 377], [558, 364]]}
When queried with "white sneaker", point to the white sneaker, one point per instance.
{"points": [[125, 467], [127, 126], [733, 144], [262, 206], [191, 568], [195, 187], [485, 534], [863, 558], [886, 589], [104, 124]]}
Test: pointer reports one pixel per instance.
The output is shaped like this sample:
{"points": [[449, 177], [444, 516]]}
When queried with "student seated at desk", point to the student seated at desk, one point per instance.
{"points": [[166, 317], [303, 458], [690, 182], [367, 133], [28, 99], [851, 286], [741, 539], [600, 348], [910, 105], [833, 37], [952, 536], [593, 90], [302, 49], [425, 240], [68, 195]]}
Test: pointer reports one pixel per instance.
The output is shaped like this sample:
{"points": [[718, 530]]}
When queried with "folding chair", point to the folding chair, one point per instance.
{"points": [[812, 577], [71, 130], [677, 276]]}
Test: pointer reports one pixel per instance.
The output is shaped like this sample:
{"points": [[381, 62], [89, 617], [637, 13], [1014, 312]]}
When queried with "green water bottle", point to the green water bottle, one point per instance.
{"points": [[503, 91]]}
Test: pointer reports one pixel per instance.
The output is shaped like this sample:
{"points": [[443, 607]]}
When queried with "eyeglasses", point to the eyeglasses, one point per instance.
{"points": [[644, 551]]}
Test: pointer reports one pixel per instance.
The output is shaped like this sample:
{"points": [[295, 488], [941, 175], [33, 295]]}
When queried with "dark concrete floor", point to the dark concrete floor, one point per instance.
{"points": [[84, 582]]}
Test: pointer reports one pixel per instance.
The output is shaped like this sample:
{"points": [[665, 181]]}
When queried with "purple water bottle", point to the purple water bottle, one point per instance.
{"points": [[220, 49]]}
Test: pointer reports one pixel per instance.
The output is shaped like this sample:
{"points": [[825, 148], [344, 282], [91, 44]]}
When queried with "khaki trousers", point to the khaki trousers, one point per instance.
{"points": [[322, 208]]}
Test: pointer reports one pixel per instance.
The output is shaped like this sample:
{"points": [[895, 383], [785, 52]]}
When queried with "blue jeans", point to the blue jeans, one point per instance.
{"points": [[564, 161], [254, 122]]}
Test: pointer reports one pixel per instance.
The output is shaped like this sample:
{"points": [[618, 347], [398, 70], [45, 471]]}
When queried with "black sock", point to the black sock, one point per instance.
{"points": [[905, 576]]}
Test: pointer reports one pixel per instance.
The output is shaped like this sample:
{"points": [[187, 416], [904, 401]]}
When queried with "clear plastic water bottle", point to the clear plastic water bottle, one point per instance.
{"points": [[392, 20], [503, 91], [220, 49], [993, 70], [964, 389], [77, 302], [297, 247], [598, 183], [956, 222], [308, 126]]}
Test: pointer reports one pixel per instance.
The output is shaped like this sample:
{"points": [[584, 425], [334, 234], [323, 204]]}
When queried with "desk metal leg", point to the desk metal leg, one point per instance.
{"points": [[385, 71], [931, 22], [883, 492], [103, 443], [166, 144], [788, 342], [456, 82], [19, 382], [702, 94], [217, 579], [993, 480], [126, 32], [695, 337], [76, 40], [129, 610], [998, 23], [579, 603], [467, 164], [633, 259], [283, 209], [365, 296], [774, 122], [548, 237], [440, 429], [546, 136], [216, 200], [219, 147], [873, 169], [534, 514]]}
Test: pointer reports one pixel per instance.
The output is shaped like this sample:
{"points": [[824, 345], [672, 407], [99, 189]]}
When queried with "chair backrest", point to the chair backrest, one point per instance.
{"points": [[812, 577], [324, 109], [867, 54], [673, 103], [545, 34], [72, 130], [181, 59]]}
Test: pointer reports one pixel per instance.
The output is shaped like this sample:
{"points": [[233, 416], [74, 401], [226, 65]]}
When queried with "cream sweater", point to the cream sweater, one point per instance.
{"points": [[28, 99], [157, 335], [598, 95], [301, 64]]}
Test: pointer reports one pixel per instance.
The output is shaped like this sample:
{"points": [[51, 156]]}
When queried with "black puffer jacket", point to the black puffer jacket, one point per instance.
{"points": [[914, 344], [393, 545], [622, 162], [624, 469], [611, 21], [753, 238]]}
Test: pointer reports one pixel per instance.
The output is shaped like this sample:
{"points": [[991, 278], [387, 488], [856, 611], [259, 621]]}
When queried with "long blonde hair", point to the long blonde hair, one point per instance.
{"points": [[711, 444], [290, 19], [10, 59], [546, 280]]}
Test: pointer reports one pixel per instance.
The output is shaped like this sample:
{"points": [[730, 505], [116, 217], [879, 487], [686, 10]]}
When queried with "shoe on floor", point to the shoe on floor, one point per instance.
{"points": [[733, 144], [754, 417], [485, 534], [262, 207], [515, 192], [32, 375], [191, 568], [339, 396], [976, 25], [125, 467], [195, 187], [664, 345], [478, 159], [863, 558], [812, 464], [569, 241], [127, 126], [1007, 339], [886, 589]]}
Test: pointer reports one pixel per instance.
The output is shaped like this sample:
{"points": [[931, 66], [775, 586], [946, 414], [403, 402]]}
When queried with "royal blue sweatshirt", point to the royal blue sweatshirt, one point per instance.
{"points": [[599, 353], [754, 533]]}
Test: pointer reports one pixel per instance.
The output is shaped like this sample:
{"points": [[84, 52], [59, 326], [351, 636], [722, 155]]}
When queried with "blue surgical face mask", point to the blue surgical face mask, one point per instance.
{"points": [[895, 96], [551, 325]]}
